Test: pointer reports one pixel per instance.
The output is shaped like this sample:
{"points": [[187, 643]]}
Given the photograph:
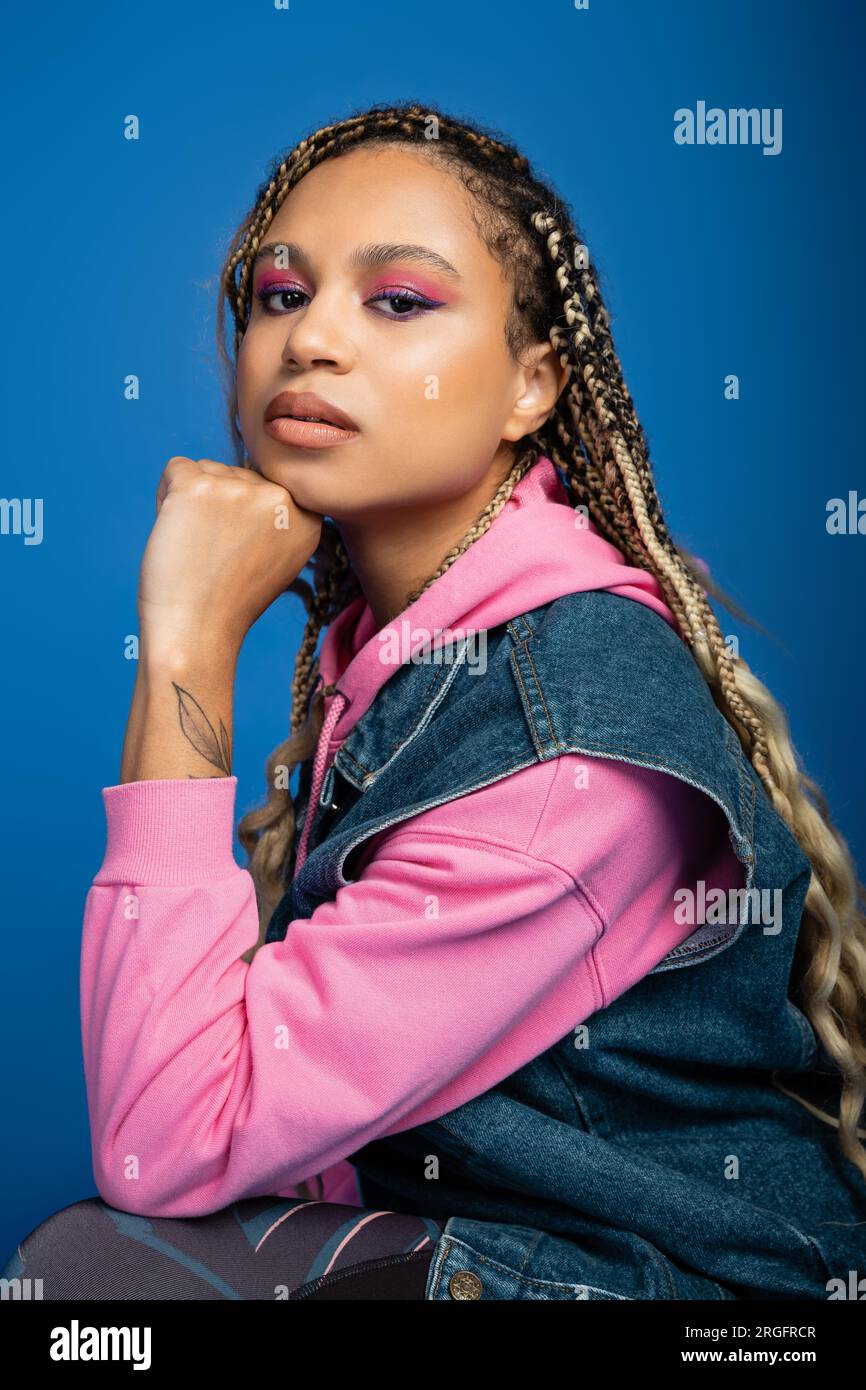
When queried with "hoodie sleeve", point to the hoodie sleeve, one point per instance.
{"points": [[453, 959]]}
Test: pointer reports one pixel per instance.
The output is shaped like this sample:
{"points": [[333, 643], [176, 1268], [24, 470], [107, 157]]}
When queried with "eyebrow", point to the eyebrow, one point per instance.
{"points": [[371, 256]]}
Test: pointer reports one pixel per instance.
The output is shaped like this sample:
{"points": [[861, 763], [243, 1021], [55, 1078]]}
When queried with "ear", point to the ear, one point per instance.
{"points": [[540, 380]]}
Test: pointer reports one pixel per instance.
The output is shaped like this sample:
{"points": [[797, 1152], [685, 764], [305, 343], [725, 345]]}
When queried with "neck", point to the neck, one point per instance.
{"points": [[394, 552]]}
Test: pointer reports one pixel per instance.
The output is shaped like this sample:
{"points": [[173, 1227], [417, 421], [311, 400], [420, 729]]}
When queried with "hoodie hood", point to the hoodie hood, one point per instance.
{"points": [[538, 548]]}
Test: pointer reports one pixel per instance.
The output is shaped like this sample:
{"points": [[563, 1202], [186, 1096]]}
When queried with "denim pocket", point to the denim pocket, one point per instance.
{"points": [[460, 1272]]}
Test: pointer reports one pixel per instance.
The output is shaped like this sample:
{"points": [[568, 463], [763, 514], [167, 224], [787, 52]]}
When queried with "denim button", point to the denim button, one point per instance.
{"points": [[464, 1284]]}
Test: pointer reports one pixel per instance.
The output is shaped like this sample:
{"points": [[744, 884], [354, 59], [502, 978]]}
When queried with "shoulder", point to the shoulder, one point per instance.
{"points": [[598, 660], [613, 626]]}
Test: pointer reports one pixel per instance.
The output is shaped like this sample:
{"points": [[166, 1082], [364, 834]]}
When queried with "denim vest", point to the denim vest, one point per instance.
{"points": [[647, 1154]]}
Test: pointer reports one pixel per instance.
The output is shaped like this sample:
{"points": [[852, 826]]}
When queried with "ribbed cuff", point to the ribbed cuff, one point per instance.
{"points": [[169, 831]]}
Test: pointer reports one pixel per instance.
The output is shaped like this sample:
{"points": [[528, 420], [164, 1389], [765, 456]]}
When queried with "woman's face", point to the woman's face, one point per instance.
{"points": [[411, 347]]}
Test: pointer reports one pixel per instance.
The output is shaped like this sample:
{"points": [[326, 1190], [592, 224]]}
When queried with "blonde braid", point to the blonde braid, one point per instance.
{"points": [[833, 933]]}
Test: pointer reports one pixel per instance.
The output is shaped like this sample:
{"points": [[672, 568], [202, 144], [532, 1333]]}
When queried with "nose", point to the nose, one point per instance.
{"points": [[316, 335]]}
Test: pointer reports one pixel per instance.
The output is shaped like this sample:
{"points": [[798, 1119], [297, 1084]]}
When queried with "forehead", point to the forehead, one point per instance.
{"points": [[385, 194]]}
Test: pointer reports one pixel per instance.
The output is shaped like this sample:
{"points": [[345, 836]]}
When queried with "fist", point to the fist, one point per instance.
{"points": [[226, 542]]}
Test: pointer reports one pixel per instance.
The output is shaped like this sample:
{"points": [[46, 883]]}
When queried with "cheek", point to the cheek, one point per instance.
{"points": [[476, 388], [246, 379], [243, 362], [461, 368]]}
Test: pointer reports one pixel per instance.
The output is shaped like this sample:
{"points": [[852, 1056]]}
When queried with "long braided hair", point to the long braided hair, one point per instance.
{"points": [[601, 452]]}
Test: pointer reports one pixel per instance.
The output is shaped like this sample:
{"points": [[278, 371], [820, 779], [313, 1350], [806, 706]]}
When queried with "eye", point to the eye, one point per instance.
{"points": [[277, 291], [409, 301]]}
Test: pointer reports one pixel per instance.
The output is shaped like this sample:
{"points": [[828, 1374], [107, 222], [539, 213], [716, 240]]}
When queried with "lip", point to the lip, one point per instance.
{"points": [[290, 404], [306, 434]]}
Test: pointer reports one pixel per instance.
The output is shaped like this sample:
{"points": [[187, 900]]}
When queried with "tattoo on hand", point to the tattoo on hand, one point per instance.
{"points": [[196, 726]]}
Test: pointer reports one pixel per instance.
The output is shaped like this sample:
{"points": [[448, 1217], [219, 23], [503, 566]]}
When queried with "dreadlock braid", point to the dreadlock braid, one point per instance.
{"points": [[597, 443], [620, 442]]}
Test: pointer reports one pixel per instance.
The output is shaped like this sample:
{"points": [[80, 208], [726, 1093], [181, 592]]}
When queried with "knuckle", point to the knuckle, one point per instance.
{"points": [[177, 463], [272, 494], [202, 485]]}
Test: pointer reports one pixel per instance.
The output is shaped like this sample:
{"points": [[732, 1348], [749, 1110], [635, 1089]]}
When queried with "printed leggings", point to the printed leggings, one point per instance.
{"points": [[263, 1247]]}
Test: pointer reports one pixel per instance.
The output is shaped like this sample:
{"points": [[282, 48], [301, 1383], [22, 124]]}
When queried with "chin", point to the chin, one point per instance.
{"points": [[312, 478], [283, 470], [295, 477]]}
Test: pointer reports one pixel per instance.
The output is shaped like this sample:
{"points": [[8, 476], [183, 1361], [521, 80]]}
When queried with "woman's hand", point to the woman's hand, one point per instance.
{"points": [[225, 544]]}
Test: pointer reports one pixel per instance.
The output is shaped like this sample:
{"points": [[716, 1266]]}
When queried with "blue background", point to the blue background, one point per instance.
{"points": [[714, 260]]}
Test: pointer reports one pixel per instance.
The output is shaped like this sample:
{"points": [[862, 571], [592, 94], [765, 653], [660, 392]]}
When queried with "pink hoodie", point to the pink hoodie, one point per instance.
{"points": [[475, 935]]}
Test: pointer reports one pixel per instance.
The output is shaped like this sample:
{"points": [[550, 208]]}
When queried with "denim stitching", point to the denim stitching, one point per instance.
{"points": [[746, 811], [511, 1271], [541, 695], [350, 757], [425, 699], [446, 1249], [521, 644], [519, 678]]}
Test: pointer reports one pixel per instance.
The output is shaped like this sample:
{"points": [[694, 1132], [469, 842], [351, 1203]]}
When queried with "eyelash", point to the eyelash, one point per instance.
{"points": [[409, 296]]}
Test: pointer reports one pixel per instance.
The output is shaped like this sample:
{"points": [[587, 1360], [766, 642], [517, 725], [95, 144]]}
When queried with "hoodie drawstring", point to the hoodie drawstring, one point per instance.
{"points": [[318, 773]]}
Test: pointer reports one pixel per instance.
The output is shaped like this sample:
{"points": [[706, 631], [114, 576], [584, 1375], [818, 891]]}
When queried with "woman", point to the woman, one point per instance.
{"points": [[553, 942]]}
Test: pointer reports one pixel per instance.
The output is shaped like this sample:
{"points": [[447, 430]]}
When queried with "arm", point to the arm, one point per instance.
{"points": [[441, 969], [454, 958], [180, 722], [225, 544]]}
